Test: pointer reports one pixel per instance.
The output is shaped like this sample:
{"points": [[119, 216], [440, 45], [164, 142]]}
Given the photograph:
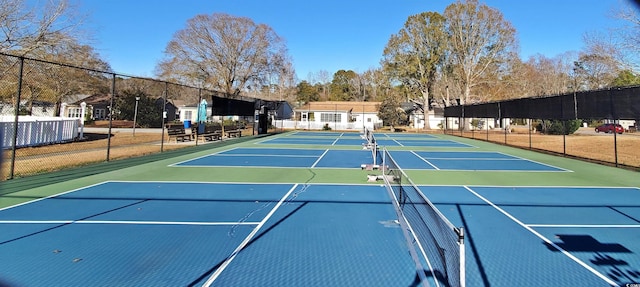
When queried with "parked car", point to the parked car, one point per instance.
{"points": [[609, 128]]}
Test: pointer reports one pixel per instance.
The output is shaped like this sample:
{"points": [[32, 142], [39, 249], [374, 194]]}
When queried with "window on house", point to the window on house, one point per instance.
{"points": [[187, 115], [368, 120], [74, 112], [330, 118], [100, 114]]}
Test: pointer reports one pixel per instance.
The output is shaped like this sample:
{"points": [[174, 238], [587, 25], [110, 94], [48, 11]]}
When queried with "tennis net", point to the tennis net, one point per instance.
{"points": [[368, 135], [438, 240], [372, 145]]}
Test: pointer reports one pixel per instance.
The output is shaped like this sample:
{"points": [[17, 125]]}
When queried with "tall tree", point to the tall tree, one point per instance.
{"points": [[480, 39], [626, 78], [391, 113], [341, 86], [547, 76], [50, 82], [149, 112], [225, 53], [414, 55], [26, 28], [380, 84], [372, 81], [600, 61], [629, 34], [306, 92], [324, 80], [597, 71]]}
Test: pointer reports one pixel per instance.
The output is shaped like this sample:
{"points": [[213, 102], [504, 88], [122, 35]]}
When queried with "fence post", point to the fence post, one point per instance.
{"points": [[17, 119], [164, 113], [530, 128], [198, 117], [615, 122], [564, 127], [113, 94]]}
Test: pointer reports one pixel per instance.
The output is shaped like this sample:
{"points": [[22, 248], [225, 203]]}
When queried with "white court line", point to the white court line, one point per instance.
{"points": [[425, 160], [263, 155], [321, 156], [199, 157], [122, 222], [238, 182], [335, 141], [586, 225], [267, 167], [479, 159], [54, 195], [540, 163], [396, 141], [566, 253], [459, 142], [246, 241]]}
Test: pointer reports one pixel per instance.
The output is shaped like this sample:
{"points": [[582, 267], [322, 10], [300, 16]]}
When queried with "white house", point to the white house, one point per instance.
{"points": [[335, 115]]}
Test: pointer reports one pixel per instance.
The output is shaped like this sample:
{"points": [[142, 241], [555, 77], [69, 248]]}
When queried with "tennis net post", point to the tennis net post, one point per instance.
{"points": [[371, 145]]}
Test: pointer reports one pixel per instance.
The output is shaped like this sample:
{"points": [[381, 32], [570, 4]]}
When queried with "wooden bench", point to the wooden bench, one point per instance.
{"points": [[215, 136], [178, 133], [233, 132], [211, 133]]}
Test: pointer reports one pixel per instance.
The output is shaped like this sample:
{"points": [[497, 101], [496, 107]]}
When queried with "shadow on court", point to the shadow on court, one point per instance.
{"points": [[617, 269]]}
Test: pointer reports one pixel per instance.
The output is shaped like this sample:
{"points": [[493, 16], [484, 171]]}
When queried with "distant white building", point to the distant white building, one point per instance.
{"points": [[335, 115]]}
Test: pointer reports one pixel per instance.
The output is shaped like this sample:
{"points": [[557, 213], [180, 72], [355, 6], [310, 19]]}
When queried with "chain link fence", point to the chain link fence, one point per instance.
{"points": [[571, 125], [55, 116]]}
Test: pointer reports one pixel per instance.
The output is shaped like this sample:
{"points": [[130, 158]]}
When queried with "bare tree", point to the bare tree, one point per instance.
{"points": [[370, 83], [81, 73], [374, 79], [547, 76], [629, 34], [25, 29], [599, 62], [322, 79], [414, 55], [223, 52], [480, 39], [283, 79]]}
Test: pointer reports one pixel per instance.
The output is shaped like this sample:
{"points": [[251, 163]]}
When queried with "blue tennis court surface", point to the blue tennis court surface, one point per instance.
{"points": [[586, 236], [289, 158], [242, 234], [314, 231], [205, 234], [332, 158], [350, 139], [472, 160]]}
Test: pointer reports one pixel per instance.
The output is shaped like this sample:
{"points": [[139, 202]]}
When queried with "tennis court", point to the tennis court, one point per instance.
{"points": [[301, 213], [351, 139]]}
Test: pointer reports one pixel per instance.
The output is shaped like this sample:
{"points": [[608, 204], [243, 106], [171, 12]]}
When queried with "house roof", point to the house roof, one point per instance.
{"points": [[335, 106], [181, 103], [76, 98], [96, 99]]}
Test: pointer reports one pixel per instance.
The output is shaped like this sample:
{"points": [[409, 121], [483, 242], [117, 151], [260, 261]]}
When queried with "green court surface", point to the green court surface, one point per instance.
{"points": [[298, 209]]}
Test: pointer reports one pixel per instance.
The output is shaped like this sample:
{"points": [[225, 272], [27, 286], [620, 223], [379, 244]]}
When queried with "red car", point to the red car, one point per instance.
{"points": [[609, 128]]}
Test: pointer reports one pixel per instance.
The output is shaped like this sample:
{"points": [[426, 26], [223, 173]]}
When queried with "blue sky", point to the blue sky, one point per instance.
{"points": [[328, 35]]}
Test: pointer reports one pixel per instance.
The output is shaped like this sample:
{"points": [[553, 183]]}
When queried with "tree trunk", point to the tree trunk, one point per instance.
{"points": [[425, 114]]}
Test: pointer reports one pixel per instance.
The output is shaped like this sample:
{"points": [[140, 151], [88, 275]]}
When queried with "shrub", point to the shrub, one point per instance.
{"points": [[556, 127], [326, 127]]}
